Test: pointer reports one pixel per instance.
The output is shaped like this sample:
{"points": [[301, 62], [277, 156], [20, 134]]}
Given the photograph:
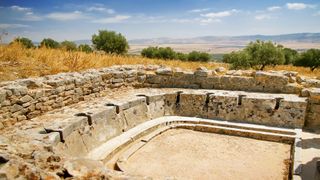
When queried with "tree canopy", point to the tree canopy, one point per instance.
{"points": [[310, 58], [49, 43], [27, 43], [68, 45], [110, 42], [257, 55]]}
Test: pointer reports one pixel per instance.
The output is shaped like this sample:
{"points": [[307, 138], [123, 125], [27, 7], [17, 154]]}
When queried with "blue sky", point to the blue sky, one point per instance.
{"points": [[75, 20]]}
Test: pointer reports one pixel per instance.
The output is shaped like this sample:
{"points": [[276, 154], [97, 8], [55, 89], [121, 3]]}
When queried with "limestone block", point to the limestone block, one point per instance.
{"points": [[135, 115], [312, 83], [292, 88], [16, 108], [26, 99], [164, 71], [17, 89], [224, 106], [104, 126], [3, 96], [118, 75], [66, 126], [271, 81], [202, 72], [170, 103], [192, 104], [153, 79], [291, 113], [156, 105]]}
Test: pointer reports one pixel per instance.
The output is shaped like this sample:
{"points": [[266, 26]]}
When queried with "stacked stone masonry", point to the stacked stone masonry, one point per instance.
{"points": [[28, 98]]}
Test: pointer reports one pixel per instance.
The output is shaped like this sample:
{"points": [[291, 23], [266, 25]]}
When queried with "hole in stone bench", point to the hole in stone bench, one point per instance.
{"points": [[240, 99], [3, 160], [88, 115], [178, 98], [117, 107], [60, 133], [147, 98], [206, 106], [277, 103]]}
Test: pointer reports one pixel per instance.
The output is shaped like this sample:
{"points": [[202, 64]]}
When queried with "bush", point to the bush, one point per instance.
{"points": [[238, 60], [85, 48], [198, 56], [49, 43], [310, 58], [290, 55], [169, 53], [149, 52], [25, 42], [166, 53], [68, 45], [159, 53], [110, 42], [181, 56]]}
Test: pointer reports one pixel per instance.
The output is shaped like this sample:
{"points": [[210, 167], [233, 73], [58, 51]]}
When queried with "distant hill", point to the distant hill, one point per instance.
{"points": [[297, 37]]}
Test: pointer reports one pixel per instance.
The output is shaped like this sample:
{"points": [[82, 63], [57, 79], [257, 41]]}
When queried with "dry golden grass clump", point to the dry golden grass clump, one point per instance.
{"points": [[18, 62]]}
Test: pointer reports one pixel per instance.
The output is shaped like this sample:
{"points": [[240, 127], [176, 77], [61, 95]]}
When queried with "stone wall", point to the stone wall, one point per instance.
{"points": [[27, 98]]}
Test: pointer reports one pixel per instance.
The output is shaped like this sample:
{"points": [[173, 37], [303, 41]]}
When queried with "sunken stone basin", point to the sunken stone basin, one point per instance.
{"points": [[136, 122]]}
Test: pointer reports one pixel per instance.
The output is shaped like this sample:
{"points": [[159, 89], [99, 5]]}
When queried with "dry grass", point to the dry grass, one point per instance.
{"points": [[18, 62]]}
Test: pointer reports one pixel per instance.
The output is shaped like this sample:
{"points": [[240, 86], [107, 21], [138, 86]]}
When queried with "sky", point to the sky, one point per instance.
{"points": [[139, 19]]}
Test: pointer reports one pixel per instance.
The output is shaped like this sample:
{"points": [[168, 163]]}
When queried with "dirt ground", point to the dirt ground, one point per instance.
{"points": [[187, 154]]}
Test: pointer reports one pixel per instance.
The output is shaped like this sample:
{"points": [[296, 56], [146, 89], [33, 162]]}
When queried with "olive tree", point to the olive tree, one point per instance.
{"points": [[49, 43], [262, 54], [68, 45], [310, 58], [290, 55], [256, 55], [110, 42], [85, 48], [25, 42]]}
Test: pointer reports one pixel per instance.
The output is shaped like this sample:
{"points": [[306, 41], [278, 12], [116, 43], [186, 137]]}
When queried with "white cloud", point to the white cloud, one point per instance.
{"points": [[19, 8], [208, 21], [114, 19], [298, 6], [13, 26], [220, 14], [199, 10], [101, 9], [262, 17], [273, 8], [66, 16]]}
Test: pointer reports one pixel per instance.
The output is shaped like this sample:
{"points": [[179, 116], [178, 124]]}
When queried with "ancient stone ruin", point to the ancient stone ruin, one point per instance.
{"points": [[149, 121]]}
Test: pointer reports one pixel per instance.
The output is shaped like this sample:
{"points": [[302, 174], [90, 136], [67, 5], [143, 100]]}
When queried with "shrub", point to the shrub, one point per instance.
{"points": [[85, 48], [49, 43], [110, 42], [181, 56], [310, 58], [149, 52], [68, 45], [166, 53], [198, 56], [27, 43], [238, 60]]}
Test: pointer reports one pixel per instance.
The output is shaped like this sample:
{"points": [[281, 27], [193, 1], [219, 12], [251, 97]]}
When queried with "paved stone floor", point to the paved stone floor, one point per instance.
{"points": [[187, 154], [310, 154]]}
